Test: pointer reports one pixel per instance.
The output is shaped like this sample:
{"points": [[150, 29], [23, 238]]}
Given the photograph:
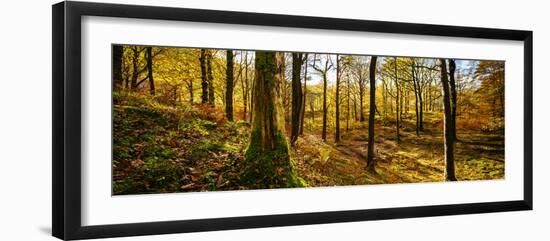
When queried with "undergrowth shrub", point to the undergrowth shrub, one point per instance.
{"points": [[495, 124]]}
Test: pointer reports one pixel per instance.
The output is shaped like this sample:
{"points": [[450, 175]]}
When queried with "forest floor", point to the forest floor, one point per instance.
{"points": [[160, 148], [478, 156]]}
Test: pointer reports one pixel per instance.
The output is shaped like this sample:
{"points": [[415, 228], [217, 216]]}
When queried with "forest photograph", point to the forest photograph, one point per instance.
{"points": [[202, 119]]}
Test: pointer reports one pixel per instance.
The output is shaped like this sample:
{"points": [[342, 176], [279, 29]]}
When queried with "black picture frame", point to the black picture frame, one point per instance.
{"points": [[66, 129]]}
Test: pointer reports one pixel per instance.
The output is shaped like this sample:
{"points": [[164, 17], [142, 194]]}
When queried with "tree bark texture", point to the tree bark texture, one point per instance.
{"points": [[372, 108], [268, 163], [448, 125], [229, 85]]}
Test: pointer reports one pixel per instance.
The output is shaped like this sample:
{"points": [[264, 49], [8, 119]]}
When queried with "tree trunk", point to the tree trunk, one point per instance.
{"points": [[384, 98], [287, 95], [149, 54], [245, 86], [210, 79], [396, 101], [448, 125], [118, 52], [431, 98], [229, 85], [361, 94], [355, 108], [312, 110], [348, 106], [372, 107], [190, 87], [428, 106], [337, 100], [303, 111], [268, 163], [297, 97], [391, 101], [417, 127], [204, 79], [252, 99], [452, 85], [400, 93], [135, 67], [420, 108], [324, 133], [407, 102]]}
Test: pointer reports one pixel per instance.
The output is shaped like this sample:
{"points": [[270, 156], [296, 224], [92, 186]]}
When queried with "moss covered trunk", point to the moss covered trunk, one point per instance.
{"points": [[268, 155]]}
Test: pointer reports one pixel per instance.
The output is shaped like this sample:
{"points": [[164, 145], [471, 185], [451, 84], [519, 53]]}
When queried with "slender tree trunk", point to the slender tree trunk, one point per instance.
{"points": [[355, 108], [420, 108], [245, 86], [297, 97], [432, 98], [252, 98], [448, 124], [407, 102], [428, 96], [324, 133], [190, 88], [391, 101], [312, 109], [267, 157], [337, 100], [204, 78], [372, 107], [323, 71], [229, 85], [210, 79], [135, 67], [396, 101], [125, 72], [303, 111], [118, 52], [384, 97], [286, 97], [417, 127], [149, 54], [348, 106], [452, 85], [361, 94], [401, 106]]}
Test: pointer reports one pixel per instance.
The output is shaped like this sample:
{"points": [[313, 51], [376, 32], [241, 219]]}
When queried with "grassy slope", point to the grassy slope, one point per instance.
{"points": [[160, 148]]}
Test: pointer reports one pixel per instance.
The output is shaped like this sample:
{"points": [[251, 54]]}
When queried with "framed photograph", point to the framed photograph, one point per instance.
{"points": [[170, 120]]}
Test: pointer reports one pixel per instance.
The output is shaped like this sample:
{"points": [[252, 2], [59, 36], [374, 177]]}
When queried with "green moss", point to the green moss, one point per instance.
{"points": [[209, 125], [153, 176], [203, 147], [272, 168]]}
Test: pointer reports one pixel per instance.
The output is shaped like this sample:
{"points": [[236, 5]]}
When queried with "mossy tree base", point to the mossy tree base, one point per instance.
{"points": [[269, 168]]}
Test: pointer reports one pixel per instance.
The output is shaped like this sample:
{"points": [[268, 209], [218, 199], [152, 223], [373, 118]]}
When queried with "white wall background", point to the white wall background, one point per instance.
{"points": [[25, 120]]}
